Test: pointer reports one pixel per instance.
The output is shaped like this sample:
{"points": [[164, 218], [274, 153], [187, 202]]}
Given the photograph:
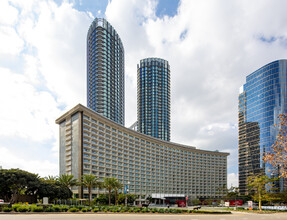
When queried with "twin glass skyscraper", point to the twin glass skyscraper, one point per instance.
{"points": [[263, 98], [153, 102], [105, 71], [105, 82]]}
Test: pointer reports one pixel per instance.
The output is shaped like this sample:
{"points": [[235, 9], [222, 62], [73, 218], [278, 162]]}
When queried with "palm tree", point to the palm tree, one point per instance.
{"points": [[109, 184], [51, 179], [117, 186], [90, 181], [67, 180]]}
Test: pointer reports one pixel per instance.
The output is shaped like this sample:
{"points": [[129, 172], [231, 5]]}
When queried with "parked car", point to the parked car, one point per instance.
{"points": [[1, 201]]}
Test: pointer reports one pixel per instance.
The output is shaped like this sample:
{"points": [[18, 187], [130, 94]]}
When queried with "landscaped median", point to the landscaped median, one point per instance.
{"points": [[22, 208]]}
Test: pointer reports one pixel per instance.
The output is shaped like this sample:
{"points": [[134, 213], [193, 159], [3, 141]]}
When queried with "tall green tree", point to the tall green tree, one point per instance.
{"points": [[53, 190], [258, 185], [52, 179], [122, 197], [15, 182], [67, 180], [117, 187], [90, 181], [109, 184]]}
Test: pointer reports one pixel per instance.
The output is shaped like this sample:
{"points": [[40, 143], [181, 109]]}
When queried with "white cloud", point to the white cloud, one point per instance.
{"points": [[10, 43], [44, 75], [8, 14], [28, 113], [10, 160]]}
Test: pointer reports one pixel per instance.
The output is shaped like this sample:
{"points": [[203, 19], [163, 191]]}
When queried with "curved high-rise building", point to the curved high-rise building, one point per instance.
{"points": [[105, 71], [262, 99], [153, 98]]}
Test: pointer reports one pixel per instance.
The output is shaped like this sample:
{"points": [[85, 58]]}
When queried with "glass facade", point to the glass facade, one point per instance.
{"points": [[153, 104], [263, 98], [105, 71]]}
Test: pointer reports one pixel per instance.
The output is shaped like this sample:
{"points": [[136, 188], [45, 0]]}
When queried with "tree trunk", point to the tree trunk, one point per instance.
{"points": [[260, 209], [116, 194], [109, 197], [90, 195], [14, 197]]}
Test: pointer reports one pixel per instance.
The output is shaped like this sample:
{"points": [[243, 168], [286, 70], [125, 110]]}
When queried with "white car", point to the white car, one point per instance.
{"points": [[1, 201]]}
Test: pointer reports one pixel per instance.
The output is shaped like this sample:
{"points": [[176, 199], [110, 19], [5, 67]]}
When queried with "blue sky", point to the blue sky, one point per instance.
{"points": [[211, 46]]}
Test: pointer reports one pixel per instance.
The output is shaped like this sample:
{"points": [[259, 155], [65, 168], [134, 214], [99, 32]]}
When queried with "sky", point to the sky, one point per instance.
{"points": [[211, 47]]}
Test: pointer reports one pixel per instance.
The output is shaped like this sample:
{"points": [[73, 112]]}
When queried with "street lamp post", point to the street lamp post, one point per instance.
{"points": [[126, 192]]}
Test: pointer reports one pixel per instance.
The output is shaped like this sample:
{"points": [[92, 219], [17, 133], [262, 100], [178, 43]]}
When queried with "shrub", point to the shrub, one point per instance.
{"points": [[80, 207], [136, 210], [96, 210], [125, 209], [154, 210], [172, 211], [6, 209], [37, 208], [57, 208], [49, 209], [74, 209], [15, 207], [85, 210], [161, 210], [22, 208], [147, 209], [64, 208], [167, 210]]}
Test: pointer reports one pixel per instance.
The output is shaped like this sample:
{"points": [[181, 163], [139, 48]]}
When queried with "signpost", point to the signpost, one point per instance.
{"points": [[45, 201], [250, 205], [226, 204], [126, 190]]}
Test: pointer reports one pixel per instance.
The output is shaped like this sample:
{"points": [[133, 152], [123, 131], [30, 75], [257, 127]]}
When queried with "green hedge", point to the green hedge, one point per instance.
{"points": [[6, 209], [95, 209], [74, 209]]}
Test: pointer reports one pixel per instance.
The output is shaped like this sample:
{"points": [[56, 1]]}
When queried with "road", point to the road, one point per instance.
{"points": [[236, 215]]}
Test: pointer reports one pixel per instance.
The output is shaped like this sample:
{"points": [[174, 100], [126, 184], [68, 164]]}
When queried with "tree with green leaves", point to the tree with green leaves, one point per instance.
{"points": [[277, 157], [67, 180], [258, 185], [122, 197], [15, 182], [53, 190], [117, 187], [90, 181], [109, 184], [52, 179]]}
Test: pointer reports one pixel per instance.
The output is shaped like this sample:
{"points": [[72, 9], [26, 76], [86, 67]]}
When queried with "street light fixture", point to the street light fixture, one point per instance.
{"points": [[126, 192]]}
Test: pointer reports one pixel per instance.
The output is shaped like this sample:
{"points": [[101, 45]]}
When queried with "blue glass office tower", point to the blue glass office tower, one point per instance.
{"points": [[263, 98], [153, 98], [105, 71]]}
